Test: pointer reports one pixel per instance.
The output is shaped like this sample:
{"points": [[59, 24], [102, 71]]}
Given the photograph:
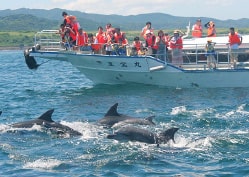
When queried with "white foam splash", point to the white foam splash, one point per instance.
{"points": [[43, 164], [88, 130], [178, 110]]}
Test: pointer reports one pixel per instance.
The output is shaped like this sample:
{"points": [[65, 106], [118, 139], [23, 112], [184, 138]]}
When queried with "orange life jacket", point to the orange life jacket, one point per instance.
{"points": [[234, 39], [176, 44], [101, 37], [118, 37], [137, 45], [211, 32], [197, 31], [82, 39], [150, 41]]}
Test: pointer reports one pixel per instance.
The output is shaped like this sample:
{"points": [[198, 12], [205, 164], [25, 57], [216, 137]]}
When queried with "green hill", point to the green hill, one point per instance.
{"points": [[37, 19], [19, 26]]}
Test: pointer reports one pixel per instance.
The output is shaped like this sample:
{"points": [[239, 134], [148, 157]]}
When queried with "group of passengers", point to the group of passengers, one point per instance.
{"points": [[112, 41], [234, 41]]}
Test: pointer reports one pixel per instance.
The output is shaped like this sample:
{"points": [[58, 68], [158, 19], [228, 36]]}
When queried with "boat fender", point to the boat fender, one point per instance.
{"points": [[37, 47], [30, 60]]}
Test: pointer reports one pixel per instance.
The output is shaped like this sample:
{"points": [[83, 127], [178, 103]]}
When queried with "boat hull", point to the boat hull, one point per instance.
{"points": [[102, 69]]}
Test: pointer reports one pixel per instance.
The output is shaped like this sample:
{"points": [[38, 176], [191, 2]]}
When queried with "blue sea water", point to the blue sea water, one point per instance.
{"points": [[212, 139]]}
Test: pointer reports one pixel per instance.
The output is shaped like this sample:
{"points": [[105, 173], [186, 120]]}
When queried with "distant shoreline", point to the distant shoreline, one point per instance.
{"points": [[12, 48]]}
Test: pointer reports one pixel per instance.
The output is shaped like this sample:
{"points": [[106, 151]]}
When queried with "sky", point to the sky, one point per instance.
{"points": [[219, 9]]}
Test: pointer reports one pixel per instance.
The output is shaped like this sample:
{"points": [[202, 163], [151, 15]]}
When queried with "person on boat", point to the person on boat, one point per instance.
{"points": [[145, 28], [211, 31], [101, 40], [66, 19], [82, 40], [176, 44], [197, 29], [120, 42], [161, 45], [91, 41], [62, 32], [137, 47], [109, 43], [235, 40], [150, 41], [70, 37], [211, 61], [109, 28]]}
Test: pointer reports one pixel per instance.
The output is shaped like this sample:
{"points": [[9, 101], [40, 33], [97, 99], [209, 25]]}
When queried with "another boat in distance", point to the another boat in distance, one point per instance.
{"points": [[147, 69]]}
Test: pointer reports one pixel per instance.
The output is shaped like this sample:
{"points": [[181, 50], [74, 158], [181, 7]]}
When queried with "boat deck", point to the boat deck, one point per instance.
{"points": [[194, 55]]}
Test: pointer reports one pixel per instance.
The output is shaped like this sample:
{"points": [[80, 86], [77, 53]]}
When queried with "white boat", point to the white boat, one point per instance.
{"points": [[145, 69]]}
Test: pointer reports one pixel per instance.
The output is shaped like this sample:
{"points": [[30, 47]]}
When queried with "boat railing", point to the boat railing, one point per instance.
{"points": [[48, 40], [197, 54], [193, 54]]}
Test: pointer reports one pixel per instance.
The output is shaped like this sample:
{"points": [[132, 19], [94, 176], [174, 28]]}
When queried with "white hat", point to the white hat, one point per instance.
{"points": [[147, 32]]}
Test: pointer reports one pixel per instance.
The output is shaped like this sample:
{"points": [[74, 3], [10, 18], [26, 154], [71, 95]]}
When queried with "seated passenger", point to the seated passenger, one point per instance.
{"points": [[82, 40], [120, 42], [137, 47]]}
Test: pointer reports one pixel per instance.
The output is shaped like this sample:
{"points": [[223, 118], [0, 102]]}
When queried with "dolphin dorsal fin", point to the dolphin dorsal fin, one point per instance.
{"points": [[0, 112], [169, 134], [113, 111], [150, 119], [47, 116]]}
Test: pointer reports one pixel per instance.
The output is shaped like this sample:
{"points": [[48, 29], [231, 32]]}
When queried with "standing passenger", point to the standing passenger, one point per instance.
{"points": [[161, 45], [235, 39], [150, 43], [101, 39], [147, 27], [66, 19], [211, 62], [211, 31], [197, 29], [176, 46]]}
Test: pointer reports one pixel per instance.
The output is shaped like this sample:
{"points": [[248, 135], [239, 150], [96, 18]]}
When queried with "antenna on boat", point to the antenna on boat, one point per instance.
{"points": [[188, 31]]}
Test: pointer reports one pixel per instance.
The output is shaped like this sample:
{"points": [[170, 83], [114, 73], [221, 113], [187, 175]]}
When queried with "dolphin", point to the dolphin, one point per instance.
{"points": [[0, 113], [46, 121], [112, 117], [131, 133], [137, 121]]}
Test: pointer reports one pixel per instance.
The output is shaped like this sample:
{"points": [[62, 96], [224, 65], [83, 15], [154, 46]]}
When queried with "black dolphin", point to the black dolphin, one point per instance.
{"points": [[113, 117], [45, 120], [131, 133]]}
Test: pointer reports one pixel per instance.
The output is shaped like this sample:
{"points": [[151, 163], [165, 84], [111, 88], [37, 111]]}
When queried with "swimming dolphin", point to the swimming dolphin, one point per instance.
{"points": [[112, 117], [131, 133], [137, 121], [46, 121]]}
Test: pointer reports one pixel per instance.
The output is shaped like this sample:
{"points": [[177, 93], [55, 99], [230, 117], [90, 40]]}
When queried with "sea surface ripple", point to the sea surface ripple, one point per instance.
{"points": [[212, 139]]}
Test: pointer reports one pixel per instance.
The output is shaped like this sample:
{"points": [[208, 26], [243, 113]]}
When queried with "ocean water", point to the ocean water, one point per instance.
{"points": [[212, 140]]}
